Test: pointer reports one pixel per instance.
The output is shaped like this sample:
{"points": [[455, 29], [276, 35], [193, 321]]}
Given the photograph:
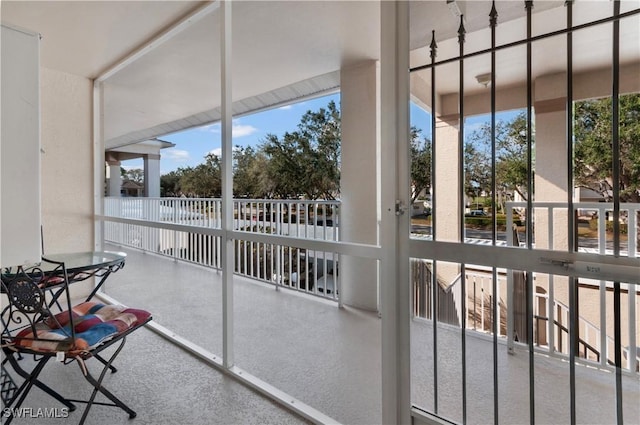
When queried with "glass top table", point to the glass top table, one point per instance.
{"points": [[84, 265], [84, 261], [80, 266]]}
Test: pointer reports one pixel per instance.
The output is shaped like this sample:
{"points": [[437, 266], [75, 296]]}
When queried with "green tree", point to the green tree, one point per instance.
{"points": [[170, 183], [204, 180], [420, 163], [250, 178], [511, 156], [135, 175], [306, 161], [593, 146], [477, 170]]}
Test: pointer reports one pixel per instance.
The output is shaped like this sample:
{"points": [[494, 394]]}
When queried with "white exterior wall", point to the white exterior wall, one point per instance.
{"points": [[67, 176], [359, 180]]}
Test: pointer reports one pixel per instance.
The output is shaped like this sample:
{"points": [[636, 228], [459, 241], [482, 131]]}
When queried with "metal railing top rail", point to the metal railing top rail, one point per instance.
{"points": [[267, 200], [576, 205]]}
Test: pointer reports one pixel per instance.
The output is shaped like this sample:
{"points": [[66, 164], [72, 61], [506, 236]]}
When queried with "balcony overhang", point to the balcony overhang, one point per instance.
{"points": [[137, 150]]}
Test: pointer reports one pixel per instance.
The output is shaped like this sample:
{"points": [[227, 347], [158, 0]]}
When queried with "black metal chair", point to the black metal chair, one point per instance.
{"points": [[34, 324]]}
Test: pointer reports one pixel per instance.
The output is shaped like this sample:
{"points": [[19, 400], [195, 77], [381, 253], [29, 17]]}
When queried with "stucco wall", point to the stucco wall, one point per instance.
{"points": [[67, 162]]}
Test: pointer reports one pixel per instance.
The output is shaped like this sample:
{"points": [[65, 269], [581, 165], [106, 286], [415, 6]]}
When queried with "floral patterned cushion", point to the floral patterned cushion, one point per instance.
{"points": [[94, 323]]}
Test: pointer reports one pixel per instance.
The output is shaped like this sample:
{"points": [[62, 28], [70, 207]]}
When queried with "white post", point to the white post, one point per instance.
{"points": [[631, 293], [98, 158], [152, 176], [359, 216], [551, 315], [115, 179], [394, 231], [227, 186], [633, 346], [510, 279]]}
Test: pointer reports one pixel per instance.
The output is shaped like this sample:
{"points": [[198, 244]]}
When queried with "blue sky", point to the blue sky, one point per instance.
{"points": [[192, 145]]}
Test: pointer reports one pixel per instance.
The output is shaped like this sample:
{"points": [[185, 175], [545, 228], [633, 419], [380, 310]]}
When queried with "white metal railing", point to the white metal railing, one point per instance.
{"points": [[601, 212], [306, 270], [551, 334], [597, 215], [301, 219], [590, 341]]}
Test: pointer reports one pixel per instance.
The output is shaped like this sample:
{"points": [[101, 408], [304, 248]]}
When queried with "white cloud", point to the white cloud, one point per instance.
{"points": [[237, 129], [217, 152], [177, 155], [211, 128], [285, 107], [240, 130]]}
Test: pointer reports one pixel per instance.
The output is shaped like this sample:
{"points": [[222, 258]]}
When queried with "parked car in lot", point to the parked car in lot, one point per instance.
{"points": [[477, 213]]}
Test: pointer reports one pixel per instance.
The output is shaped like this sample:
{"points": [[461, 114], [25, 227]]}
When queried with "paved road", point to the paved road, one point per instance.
{"points": [[502, 236]]}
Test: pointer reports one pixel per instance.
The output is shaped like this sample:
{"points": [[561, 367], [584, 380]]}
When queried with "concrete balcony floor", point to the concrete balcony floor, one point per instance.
{"points": [[326, 357]]}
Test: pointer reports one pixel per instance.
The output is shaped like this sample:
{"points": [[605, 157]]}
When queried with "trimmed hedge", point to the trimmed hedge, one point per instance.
{"points": [[624, 227], [486, 222]]}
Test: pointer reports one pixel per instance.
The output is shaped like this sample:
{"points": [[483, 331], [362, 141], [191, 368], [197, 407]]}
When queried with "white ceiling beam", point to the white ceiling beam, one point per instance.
{"points": [[160, 39]]}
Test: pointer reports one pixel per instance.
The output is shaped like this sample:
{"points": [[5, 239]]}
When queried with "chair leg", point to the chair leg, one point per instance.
{"points": [[97, 385], [111, 367], [32, 379]]}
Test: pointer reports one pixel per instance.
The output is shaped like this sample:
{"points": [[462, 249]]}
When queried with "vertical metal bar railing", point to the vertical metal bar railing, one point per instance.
{"points": [[573, 282], [529, 218], [461, 229], [615, 122], [433, 47], [493, 22]]}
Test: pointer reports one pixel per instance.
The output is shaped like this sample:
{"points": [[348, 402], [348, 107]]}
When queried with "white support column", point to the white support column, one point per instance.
{"points": [[551, 225], [227, 186], [115, 179], [98, 163], [446, 170], [152, 176], [551, 161], [394, 231], [359, 212], [447, 163]]}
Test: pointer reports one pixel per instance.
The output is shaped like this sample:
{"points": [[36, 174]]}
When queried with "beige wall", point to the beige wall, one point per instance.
{"points": [[67, 162]]}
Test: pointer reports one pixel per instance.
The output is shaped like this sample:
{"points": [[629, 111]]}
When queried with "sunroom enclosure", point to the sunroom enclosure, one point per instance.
{"points": [[530, 325]]}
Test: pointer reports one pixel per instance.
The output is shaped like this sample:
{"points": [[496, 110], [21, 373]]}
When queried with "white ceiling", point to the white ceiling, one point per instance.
{"points": [[86, 37], [282, 50], [275, 45]]}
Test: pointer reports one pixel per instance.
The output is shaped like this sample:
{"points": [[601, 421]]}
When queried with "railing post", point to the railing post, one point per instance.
{"points": [[602, 248], [632, 234], [633, 346], [510, 307], [551, 320], [279, 268], [602, 229], [174, 208]]}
